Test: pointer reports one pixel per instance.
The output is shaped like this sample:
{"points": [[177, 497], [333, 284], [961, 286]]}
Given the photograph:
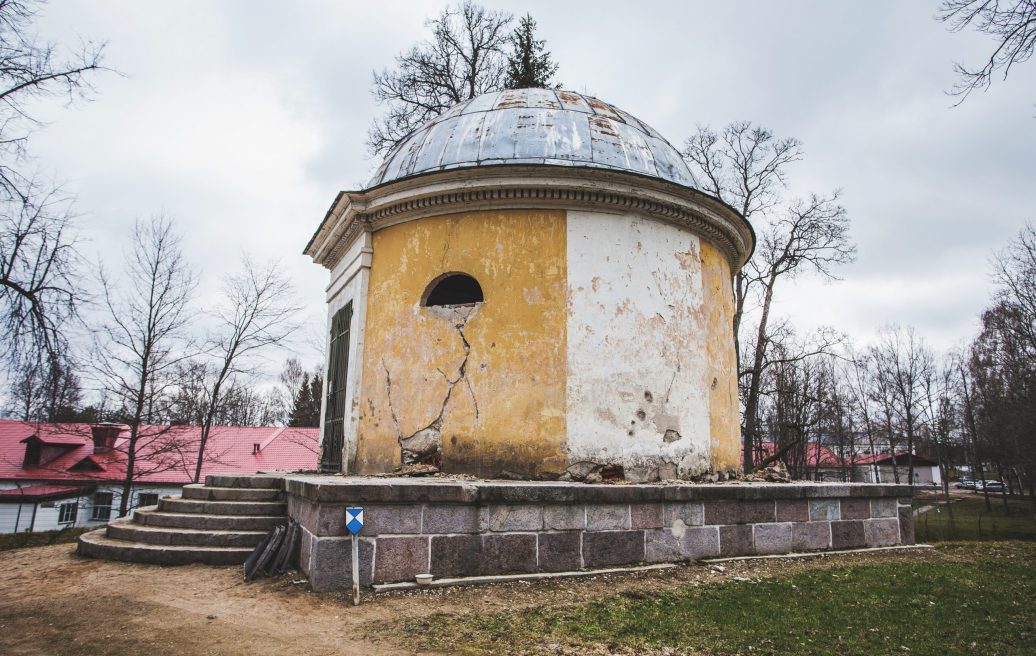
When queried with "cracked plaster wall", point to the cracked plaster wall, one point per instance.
{"points": [[484, 385], [637, 347]]}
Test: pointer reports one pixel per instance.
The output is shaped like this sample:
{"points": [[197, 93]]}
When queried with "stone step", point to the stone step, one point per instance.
{"points": [[196, 521], [96, 544], [269, 508], [127, 530], [259, 481], [207, 493]]}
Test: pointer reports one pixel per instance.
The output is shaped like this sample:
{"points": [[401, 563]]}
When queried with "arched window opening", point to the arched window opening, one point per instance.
{"points": [[453, 289]]}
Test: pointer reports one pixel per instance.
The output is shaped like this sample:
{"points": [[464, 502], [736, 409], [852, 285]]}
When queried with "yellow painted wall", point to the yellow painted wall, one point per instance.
{"points": [[507, 411], [724, 410]]}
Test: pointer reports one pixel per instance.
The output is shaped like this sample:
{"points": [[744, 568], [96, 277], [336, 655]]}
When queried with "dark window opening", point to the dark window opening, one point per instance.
{"points": [[33, 450], [454, 289], [147, 499], [102, 506], [67, 513]]}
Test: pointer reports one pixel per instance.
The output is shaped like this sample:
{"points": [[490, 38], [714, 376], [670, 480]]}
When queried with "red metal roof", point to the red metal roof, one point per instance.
{"points": [[901, 457], [829, 459], [165, 454], [40, 492]]}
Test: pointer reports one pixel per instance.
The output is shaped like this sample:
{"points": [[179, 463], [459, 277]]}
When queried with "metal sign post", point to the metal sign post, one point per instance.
{"points": [[354, 523]]}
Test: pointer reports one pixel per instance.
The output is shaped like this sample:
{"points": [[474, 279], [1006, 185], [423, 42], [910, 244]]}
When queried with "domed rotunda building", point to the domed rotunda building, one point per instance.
{"points": [[532, 286]]}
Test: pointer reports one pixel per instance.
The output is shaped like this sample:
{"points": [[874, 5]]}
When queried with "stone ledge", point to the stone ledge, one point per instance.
{"points": [[540, 532], [361, 490]]}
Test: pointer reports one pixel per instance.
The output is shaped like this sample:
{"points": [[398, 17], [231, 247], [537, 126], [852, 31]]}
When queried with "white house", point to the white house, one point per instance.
{"points": [[55, 476]]}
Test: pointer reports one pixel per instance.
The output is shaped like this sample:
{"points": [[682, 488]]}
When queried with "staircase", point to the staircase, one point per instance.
{"points": [[219, 523]]}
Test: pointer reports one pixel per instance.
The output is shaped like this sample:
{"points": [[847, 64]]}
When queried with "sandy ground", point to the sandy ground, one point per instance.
{"points": [[54, 602]]}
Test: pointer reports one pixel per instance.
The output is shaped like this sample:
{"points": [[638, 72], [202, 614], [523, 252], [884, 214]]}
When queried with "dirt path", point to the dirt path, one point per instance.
{"points": [[53, 602]]}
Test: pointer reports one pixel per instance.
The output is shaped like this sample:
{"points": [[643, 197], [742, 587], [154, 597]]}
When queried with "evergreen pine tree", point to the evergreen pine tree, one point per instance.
{"points": [[316, 394], [302, 406], [305, 411], [529, 66]]}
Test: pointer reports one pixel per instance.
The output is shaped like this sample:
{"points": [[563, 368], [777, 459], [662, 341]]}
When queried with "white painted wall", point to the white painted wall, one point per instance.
{"points": [[636, 345], [47, 513], [923, 475], [349, 281]]}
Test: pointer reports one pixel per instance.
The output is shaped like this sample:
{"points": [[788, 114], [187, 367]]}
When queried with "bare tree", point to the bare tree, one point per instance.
{"points": [[1014, 273], [747, 166], [903, 369], [465, 57], [258, 312], [38, 260], [39, 267], [51, 393], [32, 69], [858, 376], [291, 381], [1011, 23], [242, 403], [144, 337], [942, 397]]}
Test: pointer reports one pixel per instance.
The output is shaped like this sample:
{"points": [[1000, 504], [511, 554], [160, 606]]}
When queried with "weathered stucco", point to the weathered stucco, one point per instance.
{"points": [[637, 357], [724, 417], [484, 385]]}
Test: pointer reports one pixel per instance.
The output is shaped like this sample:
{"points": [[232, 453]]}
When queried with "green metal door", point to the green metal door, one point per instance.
{"points": [[337, 377]]}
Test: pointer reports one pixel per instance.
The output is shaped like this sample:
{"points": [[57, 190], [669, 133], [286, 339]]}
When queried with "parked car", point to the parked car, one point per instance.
{"points": [[965, 484], [989, 486]]}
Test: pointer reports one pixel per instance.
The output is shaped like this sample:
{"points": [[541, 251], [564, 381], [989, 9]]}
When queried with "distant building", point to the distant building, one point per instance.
{"points": [[878, 468], [56, 476], [821, 463]]}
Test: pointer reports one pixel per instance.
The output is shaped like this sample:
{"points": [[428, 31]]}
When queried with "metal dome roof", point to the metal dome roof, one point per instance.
{"points": [[535, 126]]}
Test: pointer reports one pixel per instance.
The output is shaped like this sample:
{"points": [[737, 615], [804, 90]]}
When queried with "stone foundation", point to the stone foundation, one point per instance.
{"points": [[455, 528]]}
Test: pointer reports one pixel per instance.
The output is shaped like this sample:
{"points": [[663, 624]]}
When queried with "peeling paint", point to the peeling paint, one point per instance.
{"points": [[645, 307], [469, 387], [589, 358], [724, 408]]}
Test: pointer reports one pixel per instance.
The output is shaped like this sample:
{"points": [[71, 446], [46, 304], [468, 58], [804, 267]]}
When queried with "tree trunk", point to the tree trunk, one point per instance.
{"points": [[755, 379]]}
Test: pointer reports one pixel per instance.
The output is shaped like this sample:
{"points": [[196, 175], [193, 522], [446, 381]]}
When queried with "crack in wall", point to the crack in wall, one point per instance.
{"points": [[424, 446], [388, 393]]}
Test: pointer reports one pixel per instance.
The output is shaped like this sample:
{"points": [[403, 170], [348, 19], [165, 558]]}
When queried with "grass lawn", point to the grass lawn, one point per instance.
{"points": [[968, 598], [971, 520]]}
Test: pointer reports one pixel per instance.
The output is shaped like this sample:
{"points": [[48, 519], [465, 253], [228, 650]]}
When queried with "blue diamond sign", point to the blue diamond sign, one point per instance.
{"points": [[354, 520]]}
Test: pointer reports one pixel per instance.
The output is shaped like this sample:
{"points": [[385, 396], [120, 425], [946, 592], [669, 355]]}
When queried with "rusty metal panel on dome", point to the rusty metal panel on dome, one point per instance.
{"points": [[512, 98], [499, 134], [553, 134], [668, 163], [402, 158], [461, 145], [522, 126], [611, 147], [574, 102], [430, 155], [482, 103]]}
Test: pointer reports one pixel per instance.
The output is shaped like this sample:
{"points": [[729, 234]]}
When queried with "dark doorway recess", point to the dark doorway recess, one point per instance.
{"points": [[454, 289]]}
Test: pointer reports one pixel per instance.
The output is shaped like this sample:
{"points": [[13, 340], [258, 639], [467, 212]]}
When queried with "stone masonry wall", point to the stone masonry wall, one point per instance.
{"points": [[456, 529]]}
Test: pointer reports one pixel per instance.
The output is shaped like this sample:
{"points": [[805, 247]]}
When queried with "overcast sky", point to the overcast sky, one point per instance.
{"points": [[243, 120]]}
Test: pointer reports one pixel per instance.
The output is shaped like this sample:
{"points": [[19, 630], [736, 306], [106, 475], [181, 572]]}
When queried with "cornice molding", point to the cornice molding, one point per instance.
{"points": [[529, 187]]}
